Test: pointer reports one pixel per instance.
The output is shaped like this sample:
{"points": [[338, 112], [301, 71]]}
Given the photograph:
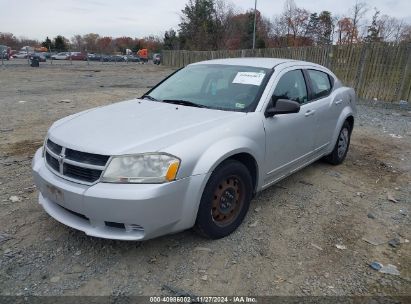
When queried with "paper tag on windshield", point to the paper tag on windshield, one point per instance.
{"points": [[252, 78]]}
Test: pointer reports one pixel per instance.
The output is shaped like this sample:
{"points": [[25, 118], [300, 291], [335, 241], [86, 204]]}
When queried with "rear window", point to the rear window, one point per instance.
{"points": [[320, 82]]}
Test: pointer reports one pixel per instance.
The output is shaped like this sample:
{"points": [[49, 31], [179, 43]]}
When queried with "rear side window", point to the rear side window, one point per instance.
{"points": [[320, 82], [291, 86]]}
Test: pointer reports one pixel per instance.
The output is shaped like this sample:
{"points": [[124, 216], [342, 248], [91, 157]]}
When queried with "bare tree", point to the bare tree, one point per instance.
{"points": [[279, 30], [357, 14], [298, 25], [224, 12], [289, 12], [77, 43], [90, 41], [406, 33], [391, 28]]}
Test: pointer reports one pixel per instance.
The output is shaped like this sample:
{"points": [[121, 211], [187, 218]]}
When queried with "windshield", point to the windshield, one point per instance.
{"points": [[215, 86]]}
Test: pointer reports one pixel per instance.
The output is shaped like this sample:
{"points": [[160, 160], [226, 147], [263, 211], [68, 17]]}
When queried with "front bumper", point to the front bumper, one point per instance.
{"points": [[119, 211]]}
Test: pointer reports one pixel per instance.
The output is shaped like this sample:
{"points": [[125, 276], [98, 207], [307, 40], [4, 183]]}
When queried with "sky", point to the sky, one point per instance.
{"points": [[138, 18]]}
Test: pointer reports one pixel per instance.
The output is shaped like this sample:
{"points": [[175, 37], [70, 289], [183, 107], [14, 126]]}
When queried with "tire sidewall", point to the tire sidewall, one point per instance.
{"points": [[346, 125], [205, 222]]}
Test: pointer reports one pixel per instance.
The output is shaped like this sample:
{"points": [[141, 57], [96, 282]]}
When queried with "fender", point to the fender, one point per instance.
{"points": [[211, 158], [345, 113], [225, 148]]}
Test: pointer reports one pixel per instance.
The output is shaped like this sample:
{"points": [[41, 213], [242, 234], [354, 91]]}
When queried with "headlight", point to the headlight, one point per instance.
{"points": [[148, 168]]}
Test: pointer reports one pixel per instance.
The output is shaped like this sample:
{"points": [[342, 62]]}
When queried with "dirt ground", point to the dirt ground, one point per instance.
{"points": [[286, 245]]}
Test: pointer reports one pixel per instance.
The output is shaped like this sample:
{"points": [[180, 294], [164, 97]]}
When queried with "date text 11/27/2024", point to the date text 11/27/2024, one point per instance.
{"points": [[205, 299]]}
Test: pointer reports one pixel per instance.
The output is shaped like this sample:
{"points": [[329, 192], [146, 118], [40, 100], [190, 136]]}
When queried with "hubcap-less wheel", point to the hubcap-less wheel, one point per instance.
{"points": [[225, 200], [342, 142], [341, 146], [228, 200]]}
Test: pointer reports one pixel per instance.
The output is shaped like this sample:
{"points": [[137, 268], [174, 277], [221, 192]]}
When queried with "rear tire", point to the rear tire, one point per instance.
{"points": [[340, 150], [225, 200]]}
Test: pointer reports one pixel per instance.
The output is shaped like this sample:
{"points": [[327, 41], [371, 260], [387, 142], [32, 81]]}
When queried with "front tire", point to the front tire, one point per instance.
{"points": [[225, 200], [340, 150]]}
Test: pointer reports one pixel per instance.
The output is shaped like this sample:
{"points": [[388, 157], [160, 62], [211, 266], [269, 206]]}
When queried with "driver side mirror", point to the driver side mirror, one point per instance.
{"points": [[282, 106]]}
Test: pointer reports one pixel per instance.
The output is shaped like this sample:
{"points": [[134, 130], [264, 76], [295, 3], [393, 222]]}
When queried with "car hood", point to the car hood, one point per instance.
{"points": [[135, 126]]}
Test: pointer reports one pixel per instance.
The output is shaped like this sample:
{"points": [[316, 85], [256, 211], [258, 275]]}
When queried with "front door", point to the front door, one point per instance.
{"points": [[289, 137]]}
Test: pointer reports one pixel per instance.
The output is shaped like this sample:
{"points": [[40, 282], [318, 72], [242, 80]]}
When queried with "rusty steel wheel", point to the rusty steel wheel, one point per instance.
{"points": [[225, 200]]}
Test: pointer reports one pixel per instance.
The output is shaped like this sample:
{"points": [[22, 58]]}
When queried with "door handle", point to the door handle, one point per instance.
{"points": [[309, 113], [337, 102]]}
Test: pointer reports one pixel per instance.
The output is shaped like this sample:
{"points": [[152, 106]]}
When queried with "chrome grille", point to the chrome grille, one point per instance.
{"points": [[53, 163], [84, 174], [74, 165], [54, 147], [87, 158]]}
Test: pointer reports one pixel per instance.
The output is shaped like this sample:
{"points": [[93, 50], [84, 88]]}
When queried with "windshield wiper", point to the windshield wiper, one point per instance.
{"points": [[149, 97], [183, 103]]}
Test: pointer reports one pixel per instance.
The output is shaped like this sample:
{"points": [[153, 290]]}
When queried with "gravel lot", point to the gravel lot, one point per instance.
{"points": [[286, 246]]}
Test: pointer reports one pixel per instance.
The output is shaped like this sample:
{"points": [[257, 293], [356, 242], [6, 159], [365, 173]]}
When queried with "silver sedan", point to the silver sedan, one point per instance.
{"points": [[194, 150]]}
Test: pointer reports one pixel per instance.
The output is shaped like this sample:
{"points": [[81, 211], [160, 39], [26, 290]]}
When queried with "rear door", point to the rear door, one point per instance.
{"points": [[326, 109]]}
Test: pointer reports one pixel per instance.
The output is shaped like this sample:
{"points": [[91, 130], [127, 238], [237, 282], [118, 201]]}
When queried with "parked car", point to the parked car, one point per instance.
{"points": [[105, 58], [116, 58], [193, 150], [132, 58], [78, 56], [12, 52], [61, 56], [102, 57], [94, 57], [156, 58], [4, 55], [46, 54], [21, 55], [39, 56], [5, 52]]}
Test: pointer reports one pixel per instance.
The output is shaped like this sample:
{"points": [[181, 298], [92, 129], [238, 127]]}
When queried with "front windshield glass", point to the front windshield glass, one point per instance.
{"points": [[215, 86]]}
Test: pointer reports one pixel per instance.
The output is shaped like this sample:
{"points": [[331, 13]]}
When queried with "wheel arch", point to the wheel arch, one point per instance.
{"points": [[346, 115], [247, 151], [350, 120], [244, 157], [250, 163]]}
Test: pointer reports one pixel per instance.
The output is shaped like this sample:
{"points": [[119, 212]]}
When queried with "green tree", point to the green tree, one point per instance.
{"points": [[199, 25], [171, 40], [261, 31], [60, 44], [313, 32], [373, 31], [47, 44], [320, 28], [326, 25]]}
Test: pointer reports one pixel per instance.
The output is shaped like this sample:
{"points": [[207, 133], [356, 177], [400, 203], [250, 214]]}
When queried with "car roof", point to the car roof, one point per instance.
{"points": [[259, 62]]}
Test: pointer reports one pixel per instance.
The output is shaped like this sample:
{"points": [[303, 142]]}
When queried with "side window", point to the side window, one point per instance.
{"points": [[291, 86], [320, 82]]}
